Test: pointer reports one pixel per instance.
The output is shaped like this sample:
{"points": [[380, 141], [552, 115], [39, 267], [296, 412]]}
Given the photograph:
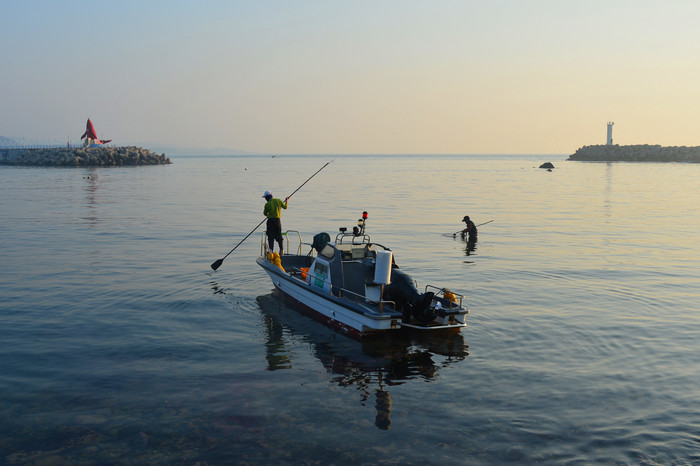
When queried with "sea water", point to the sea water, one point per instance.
{"points": [[120, 345]]}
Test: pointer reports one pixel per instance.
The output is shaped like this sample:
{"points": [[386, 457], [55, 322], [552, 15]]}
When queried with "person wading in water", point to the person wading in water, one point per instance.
{"points": [[470, 232], [273, 211]]}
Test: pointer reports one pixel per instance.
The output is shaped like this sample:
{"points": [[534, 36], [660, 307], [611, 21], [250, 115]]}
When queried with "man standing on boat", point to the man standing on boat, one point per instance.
{"points": [[273, 211]]}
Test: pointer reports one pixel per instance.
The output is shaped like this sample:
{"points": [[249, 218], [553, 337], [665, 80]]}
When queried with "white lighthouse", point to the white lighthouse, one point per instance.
{"points": [[608, 141]]}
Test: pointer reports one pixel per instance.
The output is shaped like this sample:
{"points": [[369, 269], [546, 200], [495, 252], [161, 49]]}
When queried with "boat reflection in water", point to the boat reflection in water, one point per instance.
{"points": [[371, 365]]}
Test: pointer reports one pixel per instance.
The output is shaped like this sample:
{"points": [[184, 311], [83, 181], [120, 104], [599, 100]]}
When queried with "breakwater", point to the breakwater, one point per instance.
{"points": [[637, 153], [82, 156]]}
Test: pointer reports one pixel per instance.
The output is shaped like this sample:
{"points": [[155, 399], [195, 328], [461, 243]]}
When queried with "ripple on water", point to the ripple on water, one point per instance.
{"points": [[121, 344]]}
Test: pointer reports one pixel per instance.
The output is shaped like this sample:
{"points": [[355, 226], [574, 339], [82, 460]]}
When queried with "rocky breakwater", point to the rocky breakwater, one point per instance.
{"points": [[86, 157], [637, 153]]}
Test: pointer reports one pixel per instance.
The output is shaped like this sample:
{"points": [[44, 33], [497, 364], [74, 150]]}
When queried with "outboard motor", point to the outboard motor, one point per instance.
{"points": [[402, 290], [320, 241]]}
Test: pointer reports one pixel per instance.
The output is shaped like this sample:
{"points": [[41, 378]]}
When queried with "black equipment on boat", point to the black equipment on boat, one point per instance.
{"points": [[402, 290], [320, 240]]}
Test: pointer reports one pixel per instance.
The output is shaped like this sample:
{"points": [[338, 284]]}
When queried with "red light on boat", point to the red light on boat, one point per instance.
{"points": [[364, 215]]}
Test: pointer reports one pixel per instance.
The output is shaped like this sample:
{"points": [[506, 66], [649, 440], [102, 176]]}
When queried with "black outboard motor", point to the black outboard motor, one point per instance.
{"points": [[320, 241], [402, 290]]}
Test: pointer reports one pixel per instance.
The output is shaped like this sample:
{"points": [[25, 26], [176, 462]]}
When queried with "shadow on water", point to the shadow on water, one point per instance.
{"points": [[469, 241], [371, 365], [92, 195], [470, 248]]}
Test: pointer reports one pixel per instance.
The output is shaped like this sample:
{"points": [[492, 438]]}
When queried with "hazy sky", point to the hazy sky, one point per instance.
{"points": [[381, 76]]}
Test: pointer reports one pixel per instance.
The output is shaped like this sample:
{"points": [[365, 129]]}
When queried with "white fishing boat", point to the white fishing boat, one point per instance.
{"points": [[354, 284]]}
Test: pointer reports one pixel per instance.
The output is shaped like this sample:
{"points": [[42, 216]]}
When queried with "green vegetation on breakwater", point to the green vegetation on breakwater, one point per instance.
{"points": [[82, 157]]}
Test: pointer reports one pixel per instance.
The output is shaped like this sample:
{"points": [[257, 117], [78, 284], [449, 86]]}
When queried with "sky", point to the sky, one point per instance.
{"points": [[353, 77]]}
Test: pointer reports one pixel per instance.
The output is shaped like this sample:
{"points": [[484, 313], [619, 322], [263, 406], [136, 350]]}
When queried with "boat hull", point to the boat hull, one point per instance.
{"points": [[343, 314]]}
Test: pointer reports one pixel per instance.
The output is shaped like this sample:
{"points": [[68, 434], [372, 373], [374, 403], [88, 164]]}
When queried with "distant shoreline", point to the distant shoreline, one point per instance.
{"points": [[636, 153], [82, 157]]}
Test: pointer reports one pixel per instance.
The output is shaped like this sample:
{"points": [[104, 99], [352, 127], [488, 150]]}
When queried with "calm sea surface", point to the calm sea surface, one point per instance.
{"points": [[119, 344]]}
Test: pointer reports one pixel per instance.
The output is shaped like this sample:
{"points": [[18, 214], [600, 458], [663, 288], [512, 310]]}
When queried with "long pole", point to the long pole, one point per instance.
{"points": [[217, 263], [460, 231]]}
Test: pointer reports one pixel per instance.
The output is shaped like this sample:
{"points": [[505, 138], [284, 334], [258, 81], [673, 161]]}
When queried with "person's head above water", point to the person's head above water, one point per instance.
{"points": [[267, 195]]}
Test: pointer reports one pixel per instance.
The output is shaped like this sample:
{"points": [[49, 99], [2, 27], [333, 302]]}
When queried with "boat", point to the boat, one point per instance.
{"points": [[354, 285]]}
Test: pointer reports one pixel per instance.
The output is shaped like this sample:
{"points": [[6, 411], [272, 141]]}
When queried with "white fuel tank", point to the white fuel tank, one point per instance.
{"points": [[382, 270]]}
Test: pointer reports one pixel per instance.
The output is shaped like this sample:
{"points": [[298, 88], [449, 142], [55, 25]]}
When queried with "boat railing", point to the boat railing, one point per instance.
{"points": [[307, 277], [355, 251], [354, 239], [285, 238], [440, 292], [358, 297]]}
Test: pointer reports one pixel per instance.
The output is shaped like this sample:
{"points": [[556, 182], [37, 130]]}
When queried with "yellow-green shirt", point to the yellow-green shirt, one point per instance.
{"points": [[273, 208]]}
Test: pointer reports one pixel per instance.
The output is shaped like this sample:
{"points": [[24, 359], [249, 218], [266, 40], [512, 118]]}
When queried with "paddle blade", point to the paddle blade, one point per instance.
{"points": [[217, 264]]}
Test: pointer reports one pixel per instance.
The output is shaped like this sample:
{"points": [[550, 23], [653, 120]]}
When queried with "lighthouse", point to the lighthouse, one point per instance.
{"points": [[608, 141]]}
